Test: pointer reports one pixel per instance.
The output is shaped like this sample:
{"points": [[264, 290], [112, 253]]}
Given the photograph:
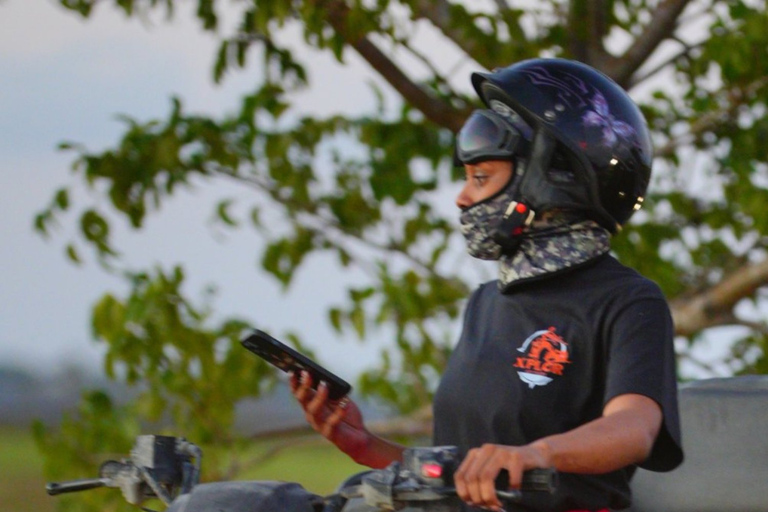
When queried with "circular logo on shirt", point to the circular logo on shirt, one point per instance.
{"points": [[544, 355]]}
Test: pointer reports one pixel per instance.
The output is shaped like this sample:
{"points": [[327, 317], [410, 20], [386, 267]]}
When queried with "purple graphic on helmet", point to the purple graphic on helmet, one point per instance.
{"points": [[612, 128]]}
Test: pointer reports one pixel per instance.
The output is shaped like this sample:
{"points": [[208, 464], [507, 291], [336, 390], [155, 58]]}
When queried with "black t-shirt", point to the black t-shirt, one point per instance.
{"points": [[546, 356]]}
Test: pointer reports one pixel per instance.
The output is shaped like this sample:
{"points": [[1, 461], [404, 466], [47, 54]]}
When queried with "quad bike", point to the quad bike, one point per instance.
{"points": [[168, 468], [725, 439]]}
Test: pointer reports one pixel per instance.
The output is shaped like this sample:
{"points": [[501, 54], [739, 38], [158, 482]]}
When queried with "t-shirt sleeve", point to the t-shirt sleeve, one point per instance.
{"points": [[641, 360]]}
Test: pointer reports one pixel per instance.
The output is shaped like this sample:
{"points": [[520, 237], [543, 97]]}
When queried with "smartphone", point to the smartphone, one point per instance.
{"points": [[287, 359]]}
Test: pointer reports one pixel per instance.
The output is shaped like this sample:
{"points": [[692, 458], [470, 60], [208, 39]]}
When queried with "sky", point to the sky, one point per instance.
{"points": [[63, 78]]}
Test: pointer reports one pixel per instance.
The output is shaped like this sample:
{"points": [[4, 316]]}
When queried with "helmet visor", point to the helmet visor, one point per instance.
{"points": [[486, 135]]}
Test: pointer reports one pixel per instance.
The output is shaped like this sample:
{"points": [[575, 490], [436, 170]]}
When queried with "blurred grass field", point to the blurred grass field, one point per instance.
{"points": [[314, 463], [22, 486]]}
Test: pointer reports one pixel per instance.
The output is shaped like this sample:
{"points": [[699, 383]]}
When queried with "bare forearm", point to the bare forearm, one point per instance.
{"points": [[623, 436], [379, 453]]}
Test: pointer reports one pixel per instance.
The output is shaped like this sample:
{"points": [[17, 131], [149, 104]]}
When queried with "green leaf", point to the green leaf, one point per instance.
{"points": [[61, 198], [222, 212], [72, 254]]}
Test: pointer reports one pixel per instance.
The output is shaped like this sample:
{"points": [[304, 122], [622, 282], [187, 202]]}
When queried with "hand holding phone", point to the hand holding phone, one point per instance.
{"points": [[287, 359]]}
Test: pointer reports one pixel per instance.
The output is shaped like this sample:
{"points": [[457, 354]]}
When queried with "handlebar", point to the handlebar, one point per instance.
{"points": [[540, 480], [535, 480], [160, 466], [54, 488], [426, 475]]}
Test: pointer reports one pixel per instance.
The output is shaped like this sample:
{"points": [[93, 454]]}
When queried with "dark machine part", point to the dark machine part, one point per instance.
{"points": [[158, 455], [424, 480], [159, 466]]}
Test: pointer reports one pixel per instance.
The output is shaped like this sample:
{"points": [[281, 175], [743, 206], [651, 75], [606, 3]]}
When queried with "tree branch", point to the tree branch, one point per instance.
{"points": [[714, 306], [586, 25], [598, 27], [736, 96], [501, 5], [288, 440], [687, 49], [663, 23], [414, 425], [329, 229], [427, 63], [434, 109], [760, 327], [439, 14]]}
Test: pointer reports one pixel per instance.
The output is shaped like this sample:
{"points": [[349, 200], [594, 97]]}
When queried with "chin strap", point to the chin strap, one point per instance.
{"points": [[530, 186], [509, 231]]}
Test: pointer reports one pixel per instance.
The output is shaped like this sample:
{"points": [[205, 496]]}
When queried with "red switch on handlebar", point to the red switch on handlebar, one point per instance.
{"points": [[432, 470]]}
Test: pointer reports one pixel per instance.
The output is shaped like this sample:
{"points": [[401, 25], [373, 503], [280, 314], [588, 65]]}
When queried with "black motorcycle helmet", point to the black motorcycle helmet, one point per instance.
{"points": [[590, 148]]}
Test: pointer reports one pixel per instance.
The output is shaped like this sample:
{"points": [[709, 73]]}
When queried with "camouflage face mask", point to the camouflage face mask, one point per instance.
{"points": [[554, 246], [479, 221]]}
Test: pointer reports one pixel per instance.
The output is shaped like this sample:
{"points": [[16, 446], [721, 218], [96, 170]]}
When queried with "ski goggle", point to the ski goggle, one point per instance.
{"points": [[487, 135]]}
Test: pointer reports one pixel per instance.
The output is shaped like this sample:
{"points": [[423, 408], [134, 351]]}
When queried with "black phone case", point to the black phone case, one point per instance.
{"points": [[287, 359]]}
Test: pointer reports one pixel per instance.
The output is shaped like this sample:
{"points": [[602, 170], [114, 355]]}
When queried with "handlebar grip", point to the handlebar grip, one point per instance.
{"points": [[534, 480], [540, 480], [54, 488]]}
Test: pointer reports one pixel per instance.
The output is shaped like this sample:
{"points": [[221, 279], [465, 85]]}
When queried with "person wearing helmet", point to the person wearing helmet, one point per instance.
{"points": [[566, 360]]}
